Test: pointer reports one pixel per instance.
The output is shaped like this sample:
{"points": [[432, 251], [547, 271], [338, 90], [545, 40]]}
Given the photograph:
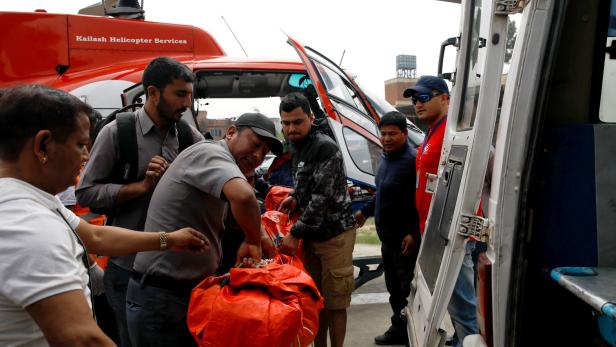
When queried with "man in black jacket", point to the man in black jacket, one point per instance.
{"points": [[326, 223], [396, 219]]}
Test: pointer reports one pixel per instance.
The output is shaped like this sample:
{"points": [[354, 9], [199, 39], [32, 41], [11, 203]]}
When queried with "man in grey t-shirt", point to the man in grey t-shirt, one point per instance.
{"points": [[197, 190]]}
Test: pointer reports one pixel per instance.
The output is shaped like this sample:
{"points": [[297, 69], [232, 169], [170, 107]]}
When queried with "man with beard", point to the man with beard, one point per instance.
{"points": [[326, 224], [168, 87]]}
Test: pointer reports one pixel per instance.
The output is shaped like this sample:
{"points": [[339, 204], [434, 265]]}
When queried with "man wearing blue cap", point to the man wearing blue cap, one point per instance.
{"points": [[431, 99]]}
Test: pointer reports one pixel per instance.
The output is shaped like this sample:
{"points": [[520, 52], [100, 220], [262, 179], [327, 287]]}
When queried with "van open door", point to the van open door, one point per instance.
{"points": [[453, 219], [350, 115]]}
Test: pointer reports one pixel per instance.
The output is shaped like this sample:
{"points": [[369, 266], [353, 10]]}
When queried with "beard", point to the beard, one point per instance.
{"points": [[166, 112]]}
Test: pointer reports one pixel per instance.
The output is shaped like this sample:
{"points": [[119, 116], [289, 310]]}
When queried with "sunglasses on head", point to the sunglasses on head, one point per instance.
{"points": [[423, 98]]}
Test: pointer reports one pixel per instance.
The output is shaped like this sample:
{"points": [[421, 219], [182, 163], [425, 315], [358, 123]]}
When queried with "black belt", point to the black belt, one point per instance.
{"points": [[164, 282]]}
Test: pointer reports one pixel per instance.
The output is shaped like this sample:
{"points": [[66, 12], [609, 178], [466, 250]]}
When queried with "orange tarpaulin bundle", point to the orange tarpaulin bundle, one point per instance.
{"points": [[92, 218], [277, 224], [275, 196], [275, 305]]}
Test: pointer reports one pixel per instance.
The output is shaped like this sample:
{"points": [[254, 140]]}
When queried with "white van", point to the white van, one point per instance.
{"points": [[548, 277]]}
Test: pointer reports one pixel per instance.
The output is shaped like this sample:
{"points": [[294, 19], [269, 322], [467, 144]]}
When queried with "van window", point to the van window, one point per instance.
{"points": [[472, 84], [365, 153], [607, 106]]}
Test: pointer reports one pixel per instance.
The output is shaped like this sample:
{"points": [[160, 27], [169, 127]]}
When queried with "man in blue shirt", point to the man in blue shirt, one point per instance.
{"points": [[393, 207]]}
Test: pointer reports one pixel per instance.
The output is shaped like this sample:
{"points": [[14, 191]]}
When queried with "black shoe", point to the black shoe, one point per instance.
{"points": [[393, 336]]}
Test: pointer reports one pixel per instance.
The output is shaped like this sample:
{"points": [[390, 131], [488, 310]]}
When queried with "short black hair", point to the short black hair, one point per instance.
{"points": [[394, 118], [95, 118], [27, 109], [294, 100], [162, 71]]}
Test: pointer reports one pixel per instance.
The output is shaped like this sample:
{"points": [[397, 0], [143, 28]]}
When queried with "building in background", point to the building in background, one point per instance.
{"points": [[218, 127], [406, 76]]}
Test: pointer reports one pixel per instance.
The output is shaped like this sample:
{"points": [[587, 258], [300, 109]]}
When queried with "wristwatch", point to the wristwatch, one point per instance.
{"points": [[162, 236]]}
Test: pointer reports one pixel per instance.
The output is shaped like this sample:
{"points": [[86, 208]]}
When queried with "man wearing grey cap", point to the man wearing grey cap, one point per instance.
{"points": [[197, 189]]}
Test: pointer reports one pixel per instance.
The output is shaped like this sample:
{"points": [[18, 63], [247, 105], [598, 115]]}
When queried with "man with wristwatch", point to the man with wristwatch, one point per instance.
{"points": [[203, 183]]}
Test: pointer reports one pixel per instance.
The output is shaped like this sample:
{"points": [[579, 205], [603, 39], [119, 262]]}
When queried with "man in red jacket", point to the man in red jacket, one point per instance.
{"points": [[431, 99], [430, 96]]}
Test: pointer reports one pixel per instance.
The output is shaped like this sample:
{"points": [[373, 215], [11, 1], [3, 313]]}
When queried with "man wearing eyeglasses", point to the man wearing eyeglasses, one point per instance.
{"points": [[430, 95]]}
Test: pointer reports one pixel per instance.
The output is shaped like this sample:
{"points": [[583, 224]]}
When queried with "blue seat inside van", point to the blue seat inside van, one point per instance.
{"points": [[566, 229], [576, 217], [577, 207]]}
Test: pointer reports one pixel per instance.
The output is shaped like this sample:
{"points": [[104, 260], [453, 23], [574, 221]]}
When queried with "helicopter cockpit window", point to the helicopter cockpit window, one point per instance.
{"points": [[222, 95]]}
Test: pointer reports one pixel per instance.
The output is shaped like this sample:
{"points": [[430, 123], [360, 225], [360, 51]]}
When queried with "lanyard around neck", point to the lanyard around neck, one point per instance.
{"points": [[431, 132], [84, 258]]}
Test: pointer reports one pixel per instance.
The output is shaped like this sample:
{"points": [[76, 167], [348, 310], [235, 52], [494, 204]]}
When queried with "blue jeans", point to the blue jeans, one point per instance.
{"points": [[156, 317], [463, 304], [116, 280]]}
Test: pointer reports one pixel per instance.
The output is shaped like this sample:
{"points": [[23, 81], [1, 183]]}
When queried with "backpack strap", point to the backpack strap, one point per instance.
{"points": [[126, 170], [185, 137]]}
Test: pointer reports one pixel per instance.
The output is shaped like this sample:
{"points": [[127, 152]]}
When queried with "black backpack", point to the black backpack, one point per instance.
{"points": [[125, 170]]}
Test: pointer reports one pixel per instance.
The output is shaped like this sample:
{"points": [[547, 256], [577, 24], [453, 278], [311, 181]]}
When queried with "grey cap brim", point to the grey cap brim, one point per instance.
{"points": [[276, 145], [416, 89]]}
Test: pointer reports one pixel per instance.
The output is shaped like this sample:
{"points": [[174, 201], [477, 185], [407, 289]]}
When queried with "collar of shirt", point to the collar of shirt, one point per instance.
{"points": [[397, 153], [146, 124], [297, 146], [34, 193], [223, 143]]}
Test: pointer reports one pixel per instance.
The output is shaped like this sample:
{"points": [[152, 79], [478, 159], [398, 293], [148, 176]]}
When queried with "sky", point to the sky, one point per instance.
{"points": [[370, 33]]}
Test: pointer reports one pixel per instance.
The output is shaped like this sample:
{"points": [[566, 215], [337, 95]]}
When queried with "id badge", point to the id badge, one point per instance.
{"points": [[431, 183]]}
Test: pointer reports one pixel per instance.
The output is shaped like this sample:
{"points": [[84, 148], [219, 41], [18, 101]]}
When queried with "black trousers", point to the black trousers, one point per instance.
{"points": [[105, 318], [398, 275]]}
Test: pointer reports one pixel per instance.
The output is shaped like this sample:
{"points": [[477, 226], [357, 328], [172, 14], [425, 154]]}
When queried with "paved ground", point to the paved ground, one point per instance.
{"points": [[370, 311], [365, 321]]}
